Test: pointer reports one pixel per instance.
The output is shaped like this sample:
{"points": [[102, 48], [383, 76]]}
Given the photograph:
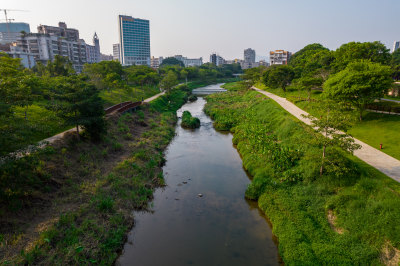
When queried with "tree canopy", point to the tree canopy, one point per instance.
{"points": [[374, 51], [359, 84], [278, 76], [171, 61]]}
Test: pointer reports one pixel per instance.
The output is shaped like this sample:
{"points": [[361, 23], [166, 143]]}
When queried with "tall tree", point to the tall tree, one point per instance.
{"points": [[374, 51], [79, 104], [279, 76], [331, 127], [308, 83], [169, 81], [359, 84]]}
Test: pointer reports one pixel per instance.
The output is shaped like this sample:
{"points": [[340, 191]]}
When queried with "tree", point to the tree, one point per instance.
{"points": [[171, 61], [105, 75], [169, 81], [359, 84], [308, 83], [278, 76], [79, 104], [328, 128], [60, 66], [395, 63], [374, 51], [253, 75]]}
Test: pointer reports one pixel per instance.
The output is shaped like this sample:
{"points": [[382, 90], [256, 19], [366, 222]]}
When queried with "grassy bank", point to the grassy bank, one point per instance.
{"points": [[348, 216], [78, 196], [133, 94], [374, 129]]}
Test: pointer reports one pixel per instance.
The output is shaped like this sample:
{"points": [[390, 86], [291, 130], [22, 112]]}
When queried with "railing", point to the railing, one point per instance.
{"points": [[116, 107], [129, 107]]}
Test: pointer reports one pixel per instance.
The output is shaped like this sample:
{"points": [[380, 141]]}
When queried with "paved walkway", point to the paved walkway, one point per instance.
{"points": [[381, 161], [389, 100]]}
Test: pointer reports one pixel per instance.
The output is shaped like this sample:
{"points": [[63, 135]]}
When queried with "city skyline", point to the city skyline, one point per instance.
{"points": [[229, 27]]}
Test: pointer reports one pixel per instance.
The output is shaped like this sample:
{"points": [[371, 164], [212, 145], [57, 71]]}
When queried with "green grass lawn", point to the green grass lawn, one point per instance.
{"points": [[374, 129], [116, 96], [41, 122], [380, 128]]}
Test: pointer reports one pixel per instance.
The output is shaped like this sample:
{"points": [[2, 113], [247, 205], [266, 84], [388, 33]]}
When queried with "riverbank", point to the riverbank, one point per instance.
{"points": [[348, 216], [201, 217], [78, 196]]}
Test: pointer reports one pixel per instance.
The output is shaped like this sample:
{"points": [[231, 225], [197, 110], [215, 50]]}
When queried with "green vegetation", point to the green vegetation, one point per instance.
{"points": [[188, 121], [171, 61], [39, 103], [349, 215], [376, 129], [192, 98], [92, 189], [355, 76], [359, 84]]}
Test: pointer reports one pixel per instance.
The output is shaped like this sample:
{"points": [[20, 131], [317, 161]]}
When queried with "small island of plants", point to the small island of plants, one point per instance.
{"points": [[188, 121]]}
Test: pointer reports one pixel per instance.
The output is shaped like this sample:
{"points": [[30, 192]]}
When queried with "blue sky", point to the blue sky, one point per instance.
{"points": [[195, 28]]}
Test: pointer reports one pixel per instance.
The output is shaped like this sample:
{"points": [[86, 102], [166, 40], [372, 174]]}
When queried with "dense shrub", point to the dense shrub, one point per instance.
{"points": [[188, 121]]}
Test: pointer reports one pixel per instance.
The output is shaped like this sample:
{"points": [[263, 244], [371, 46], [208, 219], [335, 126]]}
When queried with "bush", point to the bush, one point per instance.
{"points": [[188, 121]]}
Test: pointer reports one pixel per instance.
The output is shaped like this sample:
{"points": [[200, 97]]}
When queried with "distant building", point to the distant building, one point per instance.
{"points": [[217, 60], [44, 48], [396, 46], [279, 57], [116, 52], [247, 65], [263, 63], [93, 54], [134, 36], [106, 57], [189, 62], [156, 62], [27, 59], [10, 32], [61, 31], [249, 55]]}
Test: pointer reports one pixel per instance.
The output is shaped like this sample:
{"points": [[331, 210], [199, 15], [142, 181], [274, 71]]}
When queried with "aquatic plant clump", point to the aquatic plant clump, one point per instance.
{"points": [[192, 98], [188, 121]]}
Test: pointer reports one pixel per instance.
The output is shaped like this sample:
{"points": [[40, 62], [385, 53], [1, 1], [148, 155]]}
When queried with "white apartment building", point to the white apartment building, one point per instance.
{"points": [[116, 52], [156, 62], [44, 48], [279, 57], [189, 62]]}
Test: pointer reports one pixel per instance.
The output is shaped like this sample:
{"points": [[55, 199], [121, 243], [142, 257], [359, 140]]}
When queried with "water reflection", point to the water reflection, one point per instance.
{"points": [[219, 228]]}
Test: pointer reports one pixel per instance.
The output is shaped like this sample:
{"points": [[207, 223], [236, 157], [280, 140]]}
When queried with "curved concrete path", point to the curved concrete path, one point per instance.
{"points": [[381, 161]]}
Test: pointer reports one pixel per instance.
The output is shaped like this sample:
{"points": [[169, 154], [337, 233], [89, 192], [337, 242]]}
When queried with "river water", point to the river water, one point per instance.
{"points": [[201, 217]]}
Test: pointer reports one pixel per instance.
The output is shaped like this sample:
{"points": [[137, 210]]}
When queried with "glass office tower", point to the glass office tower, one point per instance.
{"points": [[134, 39]]}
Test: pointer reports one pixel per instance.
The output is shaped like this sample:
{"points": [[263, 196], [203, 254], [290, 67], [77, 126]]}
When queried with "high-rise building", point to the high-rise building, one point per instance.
{"points": [[134, 40], [61, 31], [216, 59], [279, 57], [116, 52], [249, 55], [396, 46], [10, 32]]}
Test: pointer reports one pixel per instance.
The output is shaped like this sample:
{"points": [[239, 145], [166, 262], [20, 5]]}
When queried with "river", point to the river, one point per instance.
{"points": [[201, 217]]}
